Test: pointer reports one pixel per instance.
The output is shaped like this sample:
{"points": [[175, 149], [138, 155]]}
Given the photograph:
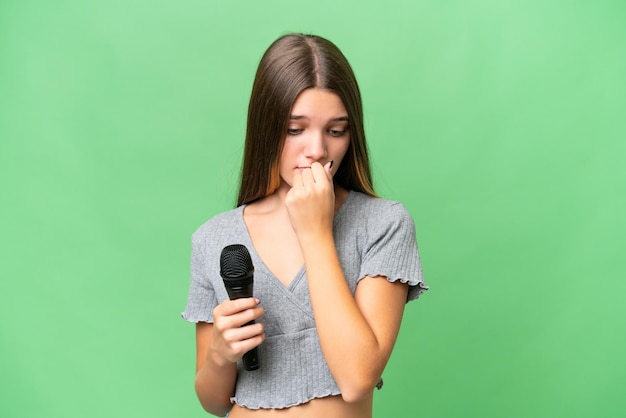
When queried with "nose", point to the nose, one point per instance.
{"points": [[315, 147]]}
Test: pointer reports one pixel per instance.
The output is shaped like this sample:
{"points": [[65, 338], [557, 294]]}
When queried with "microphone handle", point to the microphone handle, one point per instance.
{"points": [[251, 358]]}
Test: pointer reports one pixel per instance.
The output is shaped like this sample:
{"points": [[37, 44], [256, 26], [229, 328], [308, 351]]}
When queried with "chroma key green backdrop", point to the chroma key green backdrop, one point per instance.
{"points": [[499, 124]]}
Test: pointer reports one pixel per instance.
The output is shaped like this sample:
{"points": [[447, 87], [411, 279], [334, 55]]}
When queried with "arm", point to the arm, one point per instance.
{"points": [[214, 398], [357, 333], [218, 348], [358, 345]]}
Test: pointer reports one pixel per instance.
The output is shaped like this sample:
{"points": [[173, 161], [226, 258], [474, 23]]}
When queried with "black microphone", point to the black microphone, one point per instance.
{"points": [[237, 272]]}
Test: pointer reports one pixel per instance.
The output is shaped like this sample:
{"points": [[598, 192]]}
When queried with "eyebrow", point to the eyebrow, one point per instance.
{"points": [[338, 119]]}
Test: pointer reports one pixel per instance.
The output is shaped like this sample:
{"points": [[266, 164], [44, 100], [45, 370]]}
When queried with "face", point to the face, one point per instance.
{"points": [[317, 131]]}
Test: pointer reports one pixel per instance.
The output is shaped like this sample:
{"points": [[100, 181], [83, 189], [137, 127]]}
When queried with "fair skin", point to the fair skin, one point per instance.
{"points": [[289, 228]]}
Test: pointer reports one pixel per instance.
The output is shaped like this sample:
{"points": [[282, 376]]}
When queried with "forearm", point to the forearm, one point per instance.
{"points": [[350, 347], [215, 384]]}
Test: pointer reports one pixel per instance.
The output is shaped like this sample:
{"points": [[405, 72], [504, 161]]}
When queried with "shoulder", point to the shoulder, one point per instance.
{"points": [[219, 225], [377, 211], [366, 202]]}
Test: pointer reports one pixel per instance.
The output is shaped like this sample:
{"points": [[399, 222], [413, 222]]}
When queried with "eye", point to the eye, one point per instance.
{"points": [[294, 131], [337, 133]]}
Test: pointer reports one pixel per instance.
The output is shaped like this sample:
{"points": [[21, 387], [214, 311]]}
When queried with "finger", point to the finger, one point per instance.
{"points": [[231, 307], [320, 173], [225, 324], [239, 341], [307, 176], [297, 180], [329, 168], [243, 346], [247, 332], [241, 318]]}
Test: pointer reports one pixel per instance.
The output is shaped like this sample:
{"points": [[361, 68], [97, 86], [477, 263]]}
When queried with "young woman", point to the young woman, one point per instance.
{"points": [[334, 264]]}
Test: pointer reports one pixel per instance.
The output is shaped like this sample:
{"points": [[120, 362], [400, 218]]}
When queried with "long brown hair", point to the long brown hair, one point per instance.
{"points": [[293, 63]]}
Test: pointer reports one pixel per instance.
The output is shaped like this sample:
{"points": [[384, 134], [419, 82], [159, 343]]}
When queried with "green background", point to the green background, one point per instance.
{"points": [[499, 124]]}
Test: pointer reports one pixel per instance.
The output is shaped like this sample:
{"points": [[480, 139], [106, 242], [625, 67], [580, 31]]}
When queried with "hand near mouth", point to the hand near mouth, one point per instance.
{"points": [[311, 201]]}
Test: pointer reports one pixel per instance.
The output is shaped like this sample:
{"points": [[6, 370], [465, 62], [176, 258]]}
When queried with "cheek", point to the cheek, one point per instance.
{"points": [[341, 149], [286, 162], [287, 154], [290, 147]]}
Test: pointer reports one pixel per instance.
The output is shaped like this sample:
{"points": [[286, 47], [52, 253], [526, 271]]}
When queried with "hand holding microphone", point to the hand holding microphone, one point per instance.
{"points": [[237, 273]]}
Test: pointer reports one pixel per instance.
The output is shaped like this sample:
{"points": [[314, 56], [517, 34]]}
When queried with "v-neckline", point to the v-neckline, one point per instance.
{"points": [[261, 264], [300, 274]]}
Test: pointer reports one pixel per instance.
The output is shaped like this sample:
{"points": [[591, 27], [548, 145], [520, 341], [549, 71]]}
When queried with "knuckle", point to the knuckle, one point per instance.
{"points": [[242, 303], [229, 337], [219, 327]]}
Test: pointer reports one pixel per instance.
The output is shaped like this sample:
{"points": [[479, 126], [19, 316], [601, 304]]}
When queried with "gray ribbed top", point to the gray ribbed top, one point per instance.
{"points": [[374, 237]]}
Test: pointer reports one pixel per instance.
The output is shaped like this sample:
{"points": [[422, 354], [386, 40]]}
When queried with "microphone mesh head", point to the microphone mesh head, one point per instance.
{"points": [[235, 261]]}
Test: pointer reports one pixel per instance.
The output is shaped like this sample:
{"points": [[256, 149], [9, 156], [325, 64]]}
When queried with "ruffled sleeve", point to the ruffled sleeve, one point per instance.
{"points": [[201, 299], [391, 250]]}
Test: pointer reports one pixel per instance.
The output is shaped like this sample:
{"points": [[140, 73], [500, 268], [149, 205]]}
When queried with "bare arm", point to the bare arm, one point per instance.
{"points": [[357, 333], [218, 348]]}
